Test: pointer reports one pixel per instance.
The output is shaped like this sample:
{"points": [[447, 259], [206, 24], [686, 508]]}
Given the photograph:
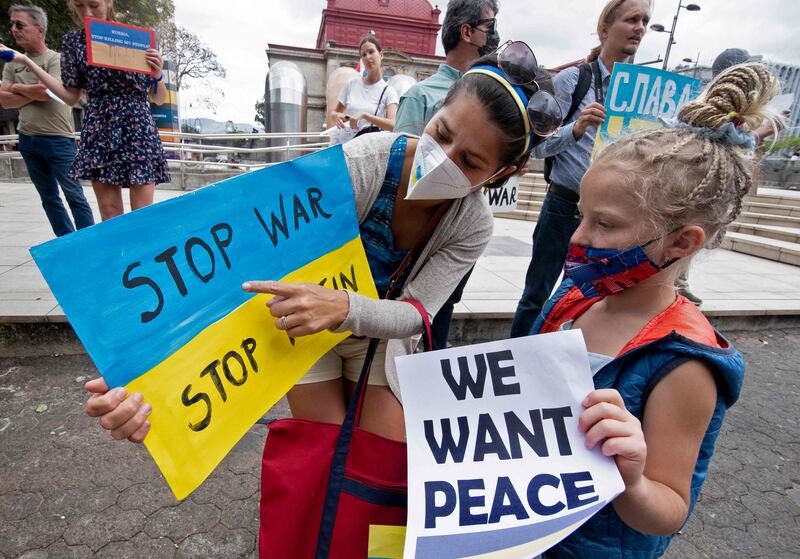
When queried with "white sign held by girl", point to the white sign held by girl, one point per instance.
{"points": [[497, 464]]}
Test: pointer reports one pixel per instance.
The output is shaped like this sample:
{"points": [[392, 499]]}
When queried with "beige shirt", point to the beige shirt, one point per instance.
{"points": [[40, 118]]}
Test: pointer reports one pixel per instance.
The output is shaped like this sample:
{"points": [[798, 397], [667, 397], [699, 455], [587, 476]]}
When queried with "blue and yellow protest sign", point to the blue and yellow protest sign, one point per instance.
{"points": [[497, 467], [638, 96], [116, 45], [155, 296]]}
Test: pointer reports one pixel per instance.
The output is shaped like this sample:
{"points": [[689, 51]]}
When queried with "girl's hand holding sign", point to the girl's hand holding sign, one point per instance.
{"points": [[607, 423]]}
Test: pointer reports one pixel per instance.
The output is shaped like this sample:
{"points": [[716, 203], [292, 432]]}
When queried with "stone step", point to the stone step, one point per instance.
{"points": [[530, 194], [772, 209], [788, 234], [529, 178], [527, 192], [536, 187], [765, 196], [757, 218], [765, 209], [532, 205], [787, 198], [756, 205], [534, 173], [532, 179], [531, 197], [772, 249]]}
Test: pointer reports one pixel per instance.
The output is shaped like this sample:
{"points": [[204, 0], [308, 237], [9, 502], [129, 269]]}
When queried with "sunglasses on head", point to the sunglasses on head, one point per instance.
{"points": [[518, 63]]}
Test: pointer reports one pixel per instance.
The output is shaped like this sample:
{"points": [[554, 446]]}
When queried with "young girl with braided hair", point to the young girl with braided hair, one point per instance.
{"points": [[663, 376]]}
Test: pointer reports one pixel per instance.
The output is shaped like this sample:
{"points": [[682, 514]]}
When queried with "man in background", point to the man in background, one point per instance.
{"points": [[45, 124], [581, 93], [469, 31]]}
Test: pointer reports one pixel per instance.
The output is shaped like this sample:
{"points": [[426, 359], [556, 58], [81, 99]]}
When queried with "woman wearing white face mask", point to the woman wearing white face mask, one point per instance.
{"points": [[418, 202]]}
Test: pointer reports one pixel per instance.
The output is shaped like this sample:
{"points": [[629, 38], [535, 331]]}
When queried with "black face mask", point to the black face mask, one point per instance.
{"points": [[492, 42]]}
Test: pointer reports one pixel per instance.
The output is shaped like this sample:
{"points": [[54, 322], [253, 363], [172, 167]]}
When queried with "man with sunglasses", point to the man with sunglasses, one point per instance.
{"points": [[581, 93], [469, 31], [45, 125]]}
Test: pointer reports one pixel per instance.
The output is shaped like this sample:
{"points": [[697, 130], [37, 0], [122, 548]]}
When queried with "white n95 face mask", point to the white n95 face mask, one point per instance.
{"points": [[434, 176]]}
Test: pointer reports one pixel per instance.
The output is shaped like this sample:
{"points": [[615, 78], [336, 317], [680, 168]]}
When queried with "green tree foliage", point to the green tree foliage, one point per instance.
{"points": [[261, 113], [189, 129], [145, 13]]}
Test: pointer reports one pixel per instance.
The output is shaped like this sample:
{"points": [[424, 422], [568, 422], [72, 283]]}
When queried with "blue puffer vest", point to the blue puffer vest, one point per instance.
{"points": [[677, 335]]}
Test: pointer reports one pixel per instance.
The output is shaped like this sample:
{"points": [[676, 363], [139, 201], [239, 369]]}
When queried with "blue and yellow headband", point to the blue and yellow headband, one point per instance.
{"points": [[516, 93]]}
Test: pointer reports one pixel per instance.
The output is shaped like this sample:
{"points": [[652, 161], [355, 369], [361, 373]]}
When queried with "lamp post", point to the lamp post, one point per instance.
{"points": [[661, 29], [696, 61]]}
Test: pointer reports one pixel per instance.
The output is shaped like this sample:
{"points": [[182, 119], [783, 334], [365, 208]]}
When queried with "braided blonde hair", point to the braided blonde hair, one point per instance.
{"points": [[683, 177]]}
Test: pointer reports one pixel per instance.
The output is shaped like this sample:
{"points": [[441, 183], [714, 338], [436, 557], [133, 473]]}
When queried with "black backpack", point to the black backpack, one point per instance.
{"points": [[584, 82]]}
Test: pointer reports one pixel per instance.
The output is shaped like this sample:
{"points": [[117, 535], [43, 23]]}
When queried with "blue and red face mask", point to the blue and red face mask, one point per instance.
{"points": [[607, 271]]}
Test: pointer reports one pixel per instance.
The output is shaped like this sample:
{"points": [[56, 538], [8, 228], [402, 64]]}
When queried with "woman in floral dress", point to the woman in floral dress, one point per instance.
{"points": [[120, 146]]}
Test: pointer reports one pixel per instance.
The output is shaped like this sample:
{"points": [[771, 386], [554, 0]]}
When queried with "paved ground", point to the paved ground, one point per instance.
{"points": [[67, 490], [730, 283], [750, 505]]}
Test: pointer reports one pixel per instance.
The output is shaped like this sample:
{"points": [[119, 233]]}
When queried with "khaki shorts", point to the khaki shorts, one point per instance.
{"points": [[346, 360]]}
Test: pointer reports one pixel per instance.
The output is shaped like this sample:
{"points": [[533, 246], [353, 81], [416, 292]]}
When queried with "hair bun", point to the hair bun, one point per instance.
{"points": [[738, 95]]}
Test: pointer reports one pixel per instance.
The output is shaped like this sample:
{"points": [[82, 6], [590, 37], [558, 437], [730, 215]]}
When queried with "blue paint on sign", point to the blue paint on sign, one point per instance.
{"points": [[118, 36], [164, 273]]}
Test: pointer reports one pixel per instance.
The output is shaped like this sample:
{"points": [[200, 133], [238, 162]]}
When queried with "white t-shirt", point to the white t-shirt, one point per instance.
{"points": [[360, 98]]}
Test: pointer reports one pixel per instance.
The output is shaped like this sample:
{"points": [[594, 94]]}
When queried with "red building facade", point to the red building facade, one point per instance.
{"points": [[409, 26]]}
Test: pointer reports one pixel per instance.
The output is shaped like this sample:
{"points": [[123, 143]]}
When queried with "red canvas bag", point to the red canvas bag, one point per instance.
{"points": [[323, 485]]}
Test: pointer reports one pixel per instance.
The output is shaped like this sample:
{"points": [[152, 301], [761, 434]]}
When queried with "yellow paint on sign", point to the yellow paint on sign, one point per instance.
{"points": [[251, 365]]}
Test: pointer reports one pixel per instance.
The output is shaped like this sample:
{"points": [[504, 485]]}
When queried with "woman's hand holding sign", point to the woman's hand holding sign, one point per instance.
{"points": [[158, 94], [608, 423], [155, 61], [302, 308], [125, 417]]}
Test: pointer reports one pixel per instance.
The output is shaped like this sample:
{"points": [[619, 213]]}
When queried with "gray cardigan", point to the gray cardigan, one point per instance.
{"points": [[454, 247]]}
